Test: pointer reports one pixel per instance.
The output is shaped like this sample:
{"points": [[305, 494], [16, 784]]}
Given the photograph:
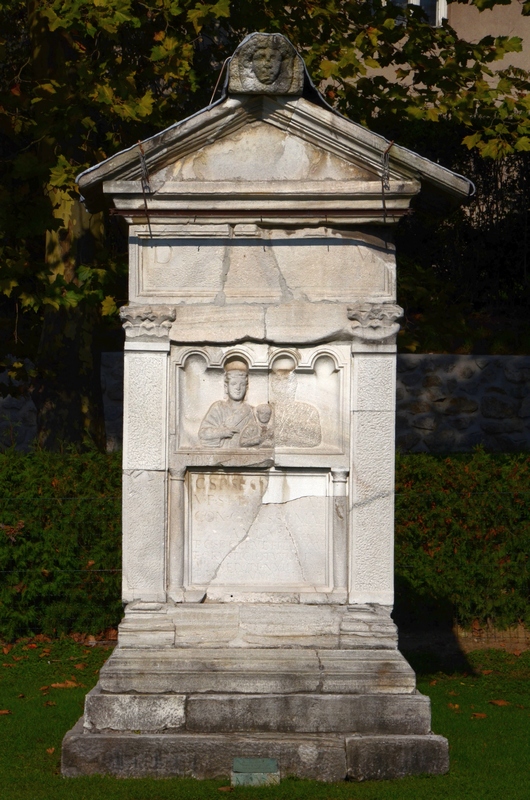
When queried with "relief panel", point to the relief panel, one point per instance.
{"points": [[260, 399]]}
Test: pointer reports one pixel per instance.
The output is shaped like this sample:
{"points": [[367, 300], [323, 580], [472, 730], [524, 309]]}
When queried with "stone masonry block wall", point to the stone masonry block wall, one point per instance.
{"points": [[449, 403], [445, 403]]}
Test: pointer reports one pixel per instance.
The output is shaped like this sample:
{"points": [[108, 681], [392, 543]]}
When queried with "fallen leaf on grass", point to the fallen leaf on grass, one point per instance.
{"points": [[4, 711], [517, 653], [79, 666], [30, 647], [478, 715], [518, 706], [487, 671], [453, 693], [20, 696], [498, 702], [454, 706], [50, 703], [50, 750], [433, 683], [17, 658], [9, 665], [44, 688], [6, 648], [225, 789], [66, 685]]}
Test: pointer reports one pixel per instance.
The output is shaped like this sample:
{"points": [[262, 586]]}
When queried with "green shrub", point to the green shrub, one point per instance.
{"points": [[462, 540], [60, 543], [463, 535]]}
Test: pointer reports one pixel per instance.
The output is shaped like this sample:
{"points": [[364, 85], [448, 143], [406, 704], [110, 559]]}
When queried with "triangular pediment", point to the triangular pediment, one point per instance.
{"points": [[259, 152], [267, 139]]}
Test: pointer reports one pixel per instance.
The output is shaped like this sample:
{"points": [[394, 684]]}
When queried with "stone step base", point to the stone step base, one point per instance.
{"points": [[325, 626], [256, 671], [381, 714], [330, 757]]}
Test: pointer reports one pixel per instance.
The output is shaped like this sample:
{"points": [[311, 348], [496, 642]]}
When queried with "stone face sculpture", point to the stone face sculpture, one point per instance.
{"points": [[258, 480], [266, 64]]}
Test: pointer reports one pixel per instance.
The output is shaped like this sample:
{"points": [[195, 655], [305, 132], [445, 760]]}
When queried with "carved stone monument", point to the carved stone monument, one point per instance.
{"points": [[258, 463]]}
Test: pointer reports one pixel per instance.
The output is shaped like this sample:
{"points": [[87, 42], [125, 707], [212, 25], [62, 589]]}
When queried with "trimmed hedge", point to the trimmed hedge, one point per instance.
{"points": [[463, 535], [462, 540], [60, 543]]}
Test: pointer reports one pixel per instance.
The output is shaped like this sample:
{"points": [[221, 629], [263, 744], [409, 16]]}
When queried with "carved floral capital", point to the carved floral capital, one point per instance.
{"points": [[147, 321], [375, 323]]}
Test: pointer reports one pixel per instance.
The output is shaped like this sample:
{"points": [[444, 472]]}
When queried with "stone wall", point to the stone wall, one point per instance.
{"points": [[444, 404], [449, 403]]}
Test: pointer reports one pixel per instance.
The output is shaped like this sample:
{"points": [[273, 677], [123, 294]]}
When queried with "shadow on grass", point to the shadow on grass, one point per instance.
{"points": [[426, 635]]}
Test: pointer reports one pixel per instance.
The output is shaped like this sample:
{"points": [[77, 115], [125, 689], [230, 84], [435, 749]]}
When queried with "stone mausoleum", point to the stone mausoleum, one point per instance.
{"points": [[258, 461]]}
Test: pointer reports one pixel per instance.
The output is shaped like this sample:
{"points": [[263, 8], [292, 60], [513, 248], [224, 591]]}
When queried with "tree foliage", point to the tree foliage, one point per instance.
{"points": [[80, 79]]}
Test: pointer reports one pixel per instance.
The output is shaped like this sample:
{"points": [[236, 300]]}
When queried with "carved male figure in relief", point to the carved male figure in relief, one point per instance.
{"points": [[226, 419]]}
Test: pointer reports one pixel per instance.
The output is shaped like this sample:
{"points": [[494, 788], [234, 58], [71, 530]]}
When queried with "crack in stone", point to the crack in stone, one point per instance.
{"points": [[295, 548], [287, 293], [220, 298], [237, 544], [322, 672]]}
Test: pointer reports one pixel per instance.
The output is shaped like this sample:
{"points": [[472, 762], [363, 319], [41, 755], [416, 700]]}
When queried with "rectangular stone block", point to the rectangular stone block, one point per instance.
{"points": [[146, 630], [386, 757], [321, 758], [203, 670], [256, 671], [309, 713], [129, 712]]}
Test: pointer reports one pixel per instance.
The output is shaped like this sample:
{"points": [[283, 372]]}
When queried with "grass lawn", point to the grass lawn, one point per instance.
{"points": [[489, 741]]}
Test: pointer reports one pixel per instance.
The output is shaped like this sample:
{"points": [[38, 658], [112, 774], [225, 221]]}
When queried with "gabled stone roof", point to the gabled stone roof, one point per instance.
{"points": [[298, 110]]}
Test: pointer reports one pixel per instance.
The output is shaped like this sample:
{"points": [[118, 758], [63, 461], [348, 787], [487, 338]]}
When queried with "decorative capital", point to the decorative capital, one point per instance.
{"points": [[152, 322], [374, 323], [266, 63]]}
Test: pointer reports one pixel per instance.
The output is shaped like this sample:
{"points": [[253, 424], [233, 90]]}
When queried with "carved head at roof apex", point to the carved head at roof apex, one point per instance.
{"points": [[266, 63]]}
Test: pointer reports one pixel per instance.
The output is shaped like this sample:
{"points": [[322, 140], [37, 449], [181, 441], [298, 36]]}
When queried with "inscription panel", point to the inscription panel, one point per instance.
{"points": [[261, 531], [248, 264]]}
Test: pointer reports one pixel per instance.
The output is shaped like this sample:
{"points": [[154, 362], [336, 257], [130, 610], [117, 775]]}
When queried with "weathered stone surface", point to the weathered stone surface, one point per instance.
{"points": [[461, 405], [387, 757], [251, 671], [124, 712], [502, 425], [266, 63], [321, 758], [327, 758], [495, 406], [524, 411], [310, 713]]}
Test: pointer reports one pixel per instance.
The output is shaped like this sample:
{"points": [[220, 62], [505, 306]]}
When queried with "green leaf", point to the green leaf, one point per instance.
{"points": [[108, 306], [472, 140], [523, 144]]}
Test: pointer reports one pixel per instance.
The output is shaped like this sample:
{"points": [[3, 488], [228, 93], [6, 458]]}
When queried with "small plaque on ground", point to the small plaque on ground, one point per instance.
{"points": [[255, 772]]}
